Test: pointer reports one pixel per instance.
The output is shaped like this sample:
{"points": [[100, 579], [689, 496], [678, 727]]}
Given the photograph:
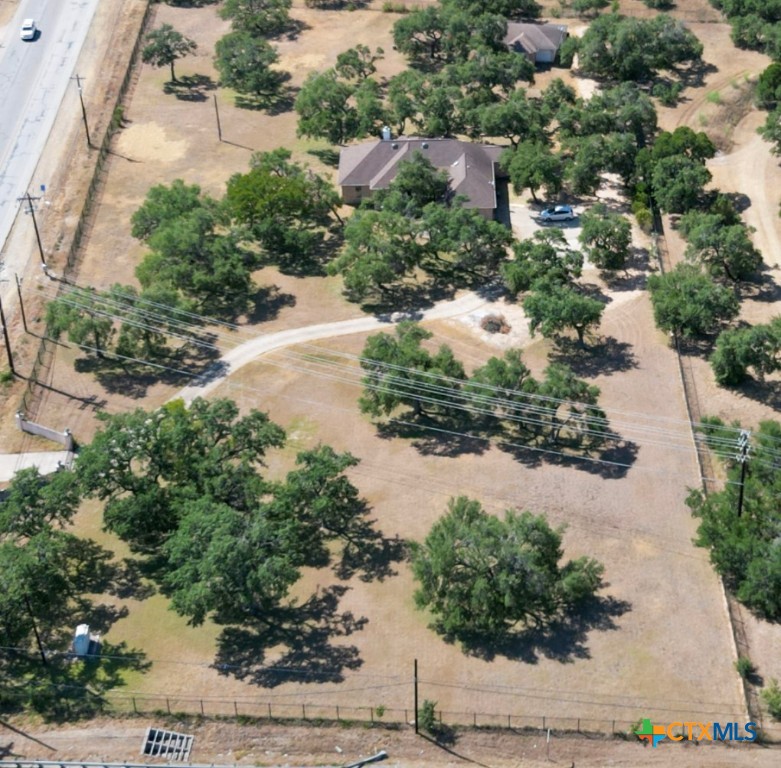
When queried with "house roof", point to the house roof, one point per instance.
{"points": [[535, 37], [470, 166]]}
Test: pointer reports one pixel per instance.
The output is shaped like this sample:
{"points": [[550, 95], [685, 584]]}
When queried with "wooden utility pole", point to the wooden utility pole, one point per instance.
{"points": [[217, 113], [78, 80], [21, 301], [28, 198], [7, 340], [415, 681]]}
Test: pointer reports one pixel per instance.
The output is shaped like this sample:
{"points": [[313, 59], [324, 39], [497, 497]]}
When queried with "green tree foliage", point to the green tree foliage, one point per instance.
{"points": [[678, 182], [741, 352], [357, 63], [148, 466], [462, 244], [517, 118], [754, 23], [164, 204], [725, 249], [545, 256], [746, 550], [195, 255], [534, 166], [553, 308], [559, 410], [509, 9], [245, 64], [381, 249], [589, 7], [606, 238], [283, 205], [481, 576], [689, 302], [625, 48], [44, 570], [432, 37], [183, 485], [324, 110], [164, 46], [400, 372], [683, 141], [416, 184], [259, 18], [770, 130], [768, 93], [84, 318]]}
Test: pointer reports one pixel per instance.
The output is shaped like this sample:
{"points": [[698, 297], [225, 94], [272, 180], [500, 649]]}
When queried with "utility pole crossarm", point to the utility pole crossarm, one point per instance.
{"points": [[744, 448]]}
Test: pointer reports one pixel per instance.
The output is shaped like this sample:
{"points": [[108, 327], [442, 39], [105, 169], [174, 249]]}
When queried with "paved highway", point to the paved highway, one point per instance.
{"points": [[33, 79]]}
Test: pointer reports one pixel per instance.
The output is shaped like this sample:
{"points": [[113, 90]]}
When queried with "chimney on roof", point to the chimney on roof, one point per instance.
{"points": [[386, 133]]}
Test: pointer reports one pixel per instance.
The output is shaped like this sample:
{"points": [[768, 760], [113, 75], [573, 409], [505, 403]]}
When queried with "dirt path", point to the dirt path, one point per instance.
{"points": [[299, 745]]}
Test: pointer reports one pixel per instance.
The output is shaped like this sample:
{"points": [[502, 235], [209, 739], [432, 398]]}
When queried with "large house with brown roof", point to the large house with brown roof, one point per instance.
{"points": [[538, 42], [473, 168]]}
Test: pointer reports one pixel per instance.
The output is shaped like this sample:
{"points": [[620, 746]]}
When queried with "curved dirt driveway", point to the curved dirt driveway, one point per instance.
{"points": [[245, 353]]}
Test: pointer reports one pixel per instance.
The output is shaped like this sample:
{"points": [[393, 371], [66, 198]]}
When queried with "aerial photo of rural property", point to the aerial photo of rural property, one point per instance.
{"points": [[390, 381]]}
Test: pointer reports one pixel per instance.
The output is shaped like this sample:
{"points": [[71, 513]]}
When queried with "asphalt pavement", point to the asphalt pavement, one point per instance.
{"points": [[34, 76]]}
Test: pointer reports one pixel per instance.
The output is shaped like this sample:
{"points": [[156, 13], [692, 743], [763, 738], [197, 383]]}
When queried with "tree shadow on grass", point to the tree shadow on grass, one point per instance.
{"points": [[190, 87], [564, 639], [272, 104], [119, 376], [268, 302], [606, 357], [407, 297], [303, 635], [436, 437], [370, 555], [327, 156], [611, 463]]}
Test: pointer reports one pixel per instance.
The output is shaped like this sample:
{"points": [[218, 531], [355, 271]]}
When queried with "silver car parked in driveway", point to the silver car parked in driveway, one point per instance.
{"points": [[558, 213]]}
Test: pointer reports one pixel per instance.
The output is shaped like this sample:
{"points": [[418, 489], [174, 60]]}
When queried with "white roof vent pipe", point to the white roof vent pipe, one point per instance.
{"points": [[386, 133]]}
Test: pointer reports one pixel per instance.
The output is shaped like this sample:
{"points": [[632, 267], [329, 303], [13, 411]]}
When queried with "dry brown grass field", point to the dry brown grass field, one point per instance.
{"points": [[661, 646]]}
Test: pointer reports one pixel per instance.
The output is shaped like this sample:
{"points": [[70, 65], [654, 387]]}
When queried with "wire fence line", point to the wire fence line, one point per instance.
{"points": [[45, 355], [243, 709]]}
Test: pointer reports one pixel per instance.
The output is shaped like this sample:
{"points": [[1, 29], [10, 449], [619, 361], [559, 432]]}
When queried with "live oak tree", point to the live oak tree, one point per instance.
{"points": [[381, 250], [744, 549], [245, 63], [723, 247], [553, 308], [546, 255], [325, 108], [283, 205], [260, 18], [605, 238], [357, 63], [401, 372], [677, 182], [481, 576], [741, 352], [688, 301], [164, 204], [84, 318], [533, 165], [184, 485], [164, 46], [194, 254], [44, 569], [559, 409], [625, 48]]}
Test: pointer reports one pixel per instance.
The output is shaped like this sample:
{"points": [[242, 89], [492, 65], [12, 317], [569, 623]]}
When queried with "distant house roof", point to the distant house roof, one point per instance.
{"points": [[535, 37], [470, 166]]}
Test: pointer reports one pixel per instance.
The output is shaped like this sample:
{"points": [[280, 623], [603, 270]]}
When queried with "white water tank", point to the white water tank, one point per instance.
{"points": [[386, 133]]}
